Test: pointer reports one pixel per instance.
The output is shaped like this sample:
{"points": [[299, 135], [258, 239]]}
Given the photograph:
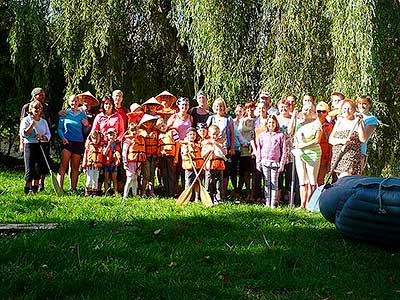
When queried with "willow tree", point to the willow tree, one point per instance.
{"points": [[123, 44], [221, 36], [299, 54]]}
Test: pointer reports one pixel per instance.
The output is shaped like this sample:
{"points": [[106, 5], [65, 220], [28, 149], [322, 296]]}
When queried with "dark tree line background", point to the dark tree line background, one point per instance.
{"points": [[229, 48]]}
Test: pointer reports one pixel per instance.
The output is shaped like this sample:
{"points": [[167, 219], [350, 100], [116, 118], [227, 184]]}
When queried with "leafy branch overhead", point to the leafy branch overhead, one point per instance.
{"points": [[229, 48]]}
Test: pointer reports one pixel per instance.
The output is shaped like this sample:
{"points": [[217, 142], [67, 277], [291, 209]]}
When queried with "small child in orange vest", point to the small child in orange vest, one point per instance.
{"points": [[215, 165], [149, 132], [168, 148], [191, 158], [111, 160], [93, 162], [133, 155]]}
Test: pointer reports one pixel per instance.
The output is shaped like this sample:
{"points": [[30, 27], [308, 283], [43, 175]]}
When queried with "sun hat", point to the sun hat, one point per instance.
{"points": [[322, 106], [152, 101], [147, 118], [134, 106], [88, 95], [167, 94]]}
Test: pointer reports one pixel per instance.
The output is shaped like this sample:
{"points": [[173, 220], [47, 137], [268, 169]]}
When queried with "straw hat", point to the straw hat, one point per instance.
{"points": [[93, 99], [152, 101], [168, 94], [147, 118]]}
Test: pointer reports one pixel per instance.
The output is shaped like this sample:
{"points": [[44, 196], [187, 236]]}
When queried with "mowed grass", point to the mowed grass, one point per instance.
{"points": [[111, 248]]}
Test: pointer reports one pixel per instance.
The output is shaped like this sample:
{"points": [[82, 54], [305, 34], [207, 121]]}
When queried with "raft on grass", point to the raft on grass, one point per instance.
{"points": [[364, 208]]}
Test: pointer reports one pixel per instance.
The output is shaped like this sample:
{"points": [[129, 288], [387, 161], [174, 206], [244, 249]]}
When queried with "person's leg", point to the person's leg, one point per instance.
{"points": [[218, 184], [115, 181], [106, 180], [96, 174], [65, 158], [171, 175], [75, 162], [274, 186]]}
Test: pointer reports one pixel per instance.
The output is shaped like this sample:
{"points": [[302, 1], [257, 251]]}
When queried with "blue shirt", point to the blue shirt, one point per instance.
{"points": [[368, 120], [70, 126]]}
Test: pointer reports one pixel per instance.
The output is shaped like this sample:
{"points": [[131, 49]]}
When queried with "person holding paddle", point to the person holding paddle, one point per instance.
{"points": [[33, 130], [346, 138]]}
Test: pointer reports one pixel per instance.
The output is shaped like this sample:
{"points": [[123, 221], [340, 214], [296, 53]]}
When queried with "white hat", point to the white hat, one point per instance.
{"points": [[93, 99], [152, 101], [147, 118]]}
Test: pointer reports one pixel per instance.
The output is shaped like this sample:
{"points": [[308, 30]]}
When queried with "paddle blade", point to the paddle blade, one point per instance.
{"points": [[205, 197], [56, 187], [185, 196], [313, 203]]}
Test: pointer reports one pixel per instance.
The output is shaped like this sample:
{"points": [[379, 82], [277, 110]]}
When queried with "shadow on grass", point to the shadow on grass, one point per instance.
{"points": [[249, 254]]}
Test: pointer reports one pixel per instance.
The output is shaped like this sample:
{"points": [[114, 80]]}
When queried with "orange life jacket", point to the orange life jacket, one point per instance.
{"points": [[167, 145], [136, 149], [93, 156], [195, 154], [113, 157], [215, 162], [150, 141]]}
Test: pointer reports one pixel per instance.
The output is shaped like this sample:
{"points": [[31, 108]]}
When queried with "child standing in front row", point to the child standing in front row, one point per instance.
{"points": [[112, 159], [93, 162], [215, 165], [133, 155], [271, 158], [191, 159]]}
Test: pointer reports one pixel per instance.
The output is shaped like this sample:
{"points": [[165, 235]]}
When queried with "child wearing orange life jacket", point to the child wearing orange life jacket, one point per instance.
{"points": [[111, 160], [168, 150], [133, 155], [167, 100], [149, 133], [215, 165], [191, 159], [93, 162]]}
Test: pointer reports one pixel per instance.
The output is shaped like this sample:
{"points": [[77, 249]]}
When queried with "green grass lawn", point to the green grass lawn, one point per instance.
{"points": [[111, 248]]}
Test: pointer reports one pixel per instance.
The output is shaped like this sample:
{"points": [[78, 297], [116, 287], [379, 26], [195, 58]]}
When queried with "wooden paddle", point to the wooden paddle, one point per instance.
{"points": [[204, 195], [54, 182], [185, 196]]}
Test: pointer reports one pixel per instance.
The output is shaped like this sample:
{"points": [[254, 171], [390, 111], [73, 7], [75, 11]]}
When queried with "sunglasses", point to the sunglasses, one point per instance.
{"points": [[37, 107], [321, 111]]}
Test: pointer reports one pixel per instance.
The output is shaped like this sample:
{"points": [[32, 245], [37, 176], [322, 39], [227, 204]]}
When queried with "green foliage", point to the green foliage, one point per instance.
{"points": [[233, 49]]}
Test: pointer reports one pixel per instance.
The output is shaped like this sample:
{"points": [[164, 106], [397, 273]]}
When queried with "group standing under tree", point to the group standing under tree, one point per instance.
{"points": [[129, 150]]}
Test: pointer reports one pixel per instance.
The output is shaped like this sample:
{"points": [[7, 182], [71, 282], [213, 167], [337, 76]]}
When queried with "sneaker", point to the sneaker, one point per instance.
{"points": [[41, 187], [151, 195]]}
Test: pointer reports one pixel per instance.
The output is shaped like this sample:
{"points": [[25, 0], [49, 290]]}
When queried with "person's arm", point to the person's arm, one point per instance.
{"points": [[232, 133], [283, 154], [362, 134], [314, 141], [27, 126]]}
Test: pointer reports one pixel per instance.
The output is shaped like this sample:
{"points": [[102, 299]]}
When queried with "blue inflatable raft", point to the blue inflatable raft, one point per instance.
{"points": [[364, 208]]}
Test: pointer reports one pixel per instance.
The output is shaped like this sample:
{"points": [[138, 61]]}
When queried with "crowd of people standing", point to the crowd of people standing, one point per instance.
{"points": [[270, 151]]}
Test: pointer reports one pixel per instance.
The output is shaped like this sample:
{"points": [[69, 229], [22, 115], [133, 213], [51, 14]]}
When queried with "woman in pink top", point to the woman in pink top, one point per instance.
{"points": [[181, 120], [109, 118], [271, 158]]}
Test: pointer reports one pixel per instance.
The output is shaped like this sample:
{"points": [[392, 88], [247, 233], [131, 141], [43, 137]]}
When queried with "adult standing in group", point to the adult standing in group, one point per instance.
{"points": [[181, 122], [326, 148], [118, 97], [364, 104], [308, 156], [336, 104], [286, 124], [226, 133], [108, 118], [38, 94], [202, 111], [235, 160], [72, 128], [34, 130], [350, 160]]}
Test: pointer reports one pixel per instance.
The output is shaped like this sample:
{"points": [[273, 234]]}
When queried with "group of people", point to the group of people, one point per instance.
{"points": [[165, 140]]}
